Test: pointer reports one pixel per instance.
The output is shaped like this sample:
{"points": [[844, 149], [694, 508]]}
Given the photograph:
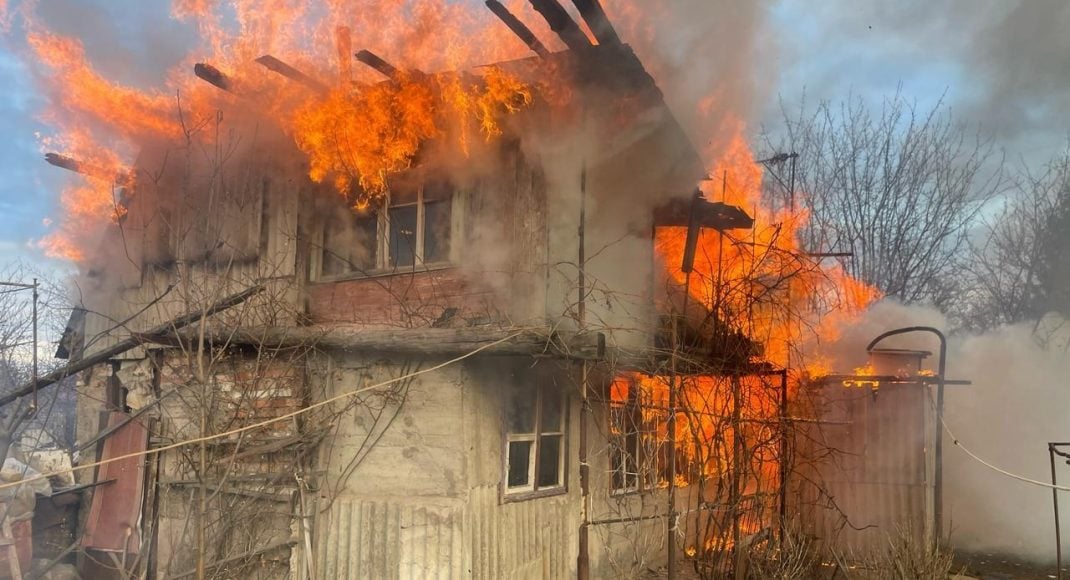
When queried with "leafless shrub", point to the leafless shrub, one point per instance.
{"points": [[793, 557], [907, 556]]}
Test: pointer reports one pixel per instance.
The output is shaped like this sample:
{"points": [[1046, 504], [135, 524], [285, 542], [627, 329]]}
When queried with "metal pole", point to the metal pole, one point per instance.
{"points": [[583, 562], [938, 452], [687, 267], [33, 405], [783, 452], [1055, 504]]}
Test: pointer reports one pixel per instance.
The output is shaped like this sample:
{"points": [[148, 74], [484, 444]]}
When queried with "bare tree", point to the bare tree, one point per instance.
{"points": [[1019, 262], [54, 411], [899, 188]]}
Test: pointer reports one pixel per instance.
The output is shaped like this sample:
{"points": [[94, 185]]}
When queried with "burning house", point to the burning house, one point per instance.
{"points": [[492, 322]]}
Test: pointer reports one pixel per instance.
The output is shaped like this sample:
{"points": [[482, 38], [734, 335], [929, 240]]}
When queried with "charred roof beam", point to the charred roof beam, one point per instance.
{"points": [[277, 66], [121, 178], [518, 27], [374, 61], [597, 21], [713, 215], [561, 23], [214, 77]]}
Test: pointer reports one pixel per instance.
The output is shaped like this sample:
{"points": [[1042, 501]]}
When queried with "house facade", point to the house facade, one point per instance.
{"points": [[423, 386]]}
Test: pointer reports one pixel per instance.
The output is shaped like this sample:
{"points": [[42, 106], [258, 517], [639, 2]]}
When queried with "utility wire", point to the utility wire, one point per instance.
{"points": [[264, 423], [999, 470]]}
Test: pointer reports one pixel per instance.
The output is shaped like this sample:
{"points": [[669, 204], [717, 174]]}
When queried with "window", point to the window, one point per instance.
{"points": [[638, 442], [535, 445], [413, 230]]}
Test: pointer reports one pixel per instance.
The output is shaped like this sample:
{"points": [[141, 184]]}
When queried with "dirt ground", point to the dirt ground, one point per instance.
{"points": [[1000, 567], [967, 566]]}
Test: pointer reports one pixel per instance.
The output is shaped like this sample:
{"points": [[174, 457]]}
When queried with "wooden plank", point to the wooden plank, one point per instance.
{"points": [[420, 341], [122, 346]]}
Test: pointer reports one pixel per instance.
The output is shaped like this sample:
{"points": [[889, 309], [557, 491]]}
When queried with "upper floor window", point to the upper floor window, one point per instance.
{"points": [[412, 229]]}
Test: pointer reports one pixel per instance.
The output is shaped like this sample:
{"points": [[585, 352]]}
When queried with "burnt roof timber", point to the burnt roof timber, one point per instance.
{"points": [[561, 23], [710, 214], [597, 20], [277, 66], [518, 27], [376, 62], [213, 76], [122, 178]]}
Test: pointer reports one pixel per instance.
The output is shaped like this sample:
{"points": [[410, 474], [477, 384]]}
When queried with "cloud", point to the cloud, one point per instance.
{"points": [[1003, 63]]}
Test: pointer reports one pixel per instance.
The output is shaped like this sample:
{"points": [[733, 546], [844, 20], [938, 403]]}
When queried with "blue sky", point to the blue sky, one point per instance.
{"points": [[973, 52]]}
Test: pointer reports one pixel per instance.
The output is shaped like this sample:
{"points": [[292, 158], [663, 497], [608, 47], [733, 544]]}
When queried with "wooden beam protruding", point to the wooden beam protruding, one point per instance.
{"points": [[519, 28], [561, 23], [414, 341], [165, 329], [598, 21], [373, 60], [213, 76], [277, 66], [121, 179]]}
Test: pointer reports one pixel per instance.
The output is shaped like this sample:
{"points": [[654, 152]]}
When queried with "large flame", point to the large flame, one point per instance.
{"points": [[357, 133], [761, 282]]}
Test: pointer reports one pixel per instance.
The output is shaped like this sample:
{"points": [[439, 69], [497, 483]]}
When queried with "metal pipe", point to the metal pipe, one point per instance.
{"points": [[941, 376], [1055, 504], [783, 452], [583, 562], [693, 228], [33, 405]]}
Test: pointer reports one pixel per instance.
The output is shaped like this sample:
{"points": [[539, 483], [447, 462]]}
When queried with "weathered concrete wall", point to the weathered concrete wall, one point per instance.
{"points": [[424, 500]]}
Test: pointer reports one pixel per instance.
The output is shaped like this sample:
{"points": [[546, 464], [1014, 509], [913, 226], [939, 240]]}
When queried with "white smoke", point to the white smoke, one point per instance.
{"points": [[1018, 402]]}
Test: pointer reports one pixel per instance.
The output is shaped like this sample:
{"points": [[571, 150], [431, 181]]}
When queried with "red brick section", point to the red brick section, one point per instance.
{"points": [[402, 300], [248, 391]]}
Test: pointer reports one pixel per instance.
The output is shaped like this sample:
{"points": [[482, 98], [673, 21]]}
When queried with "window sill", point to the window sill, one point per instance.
{"points": [[373, 274], [623, 493], [518, 496]]}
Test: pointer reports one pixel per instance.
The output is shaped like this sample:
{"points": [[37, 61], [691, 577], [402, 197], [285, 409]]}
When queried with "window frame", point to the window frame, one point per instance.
{"points": [[533, 490], [648, 449], [383, 254]]}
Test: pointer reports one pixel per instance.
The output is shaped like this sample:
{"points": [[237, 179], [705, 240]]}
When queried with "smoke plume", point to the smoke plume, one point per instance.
{"points": [[1017, 403]]}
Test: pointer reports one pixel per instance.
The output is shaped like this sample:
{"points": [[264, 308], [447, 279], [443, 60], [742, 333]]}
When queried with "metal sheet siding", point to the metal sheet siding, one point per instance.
{"points": [[880, 480], [399, 539], [115, 510]]}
